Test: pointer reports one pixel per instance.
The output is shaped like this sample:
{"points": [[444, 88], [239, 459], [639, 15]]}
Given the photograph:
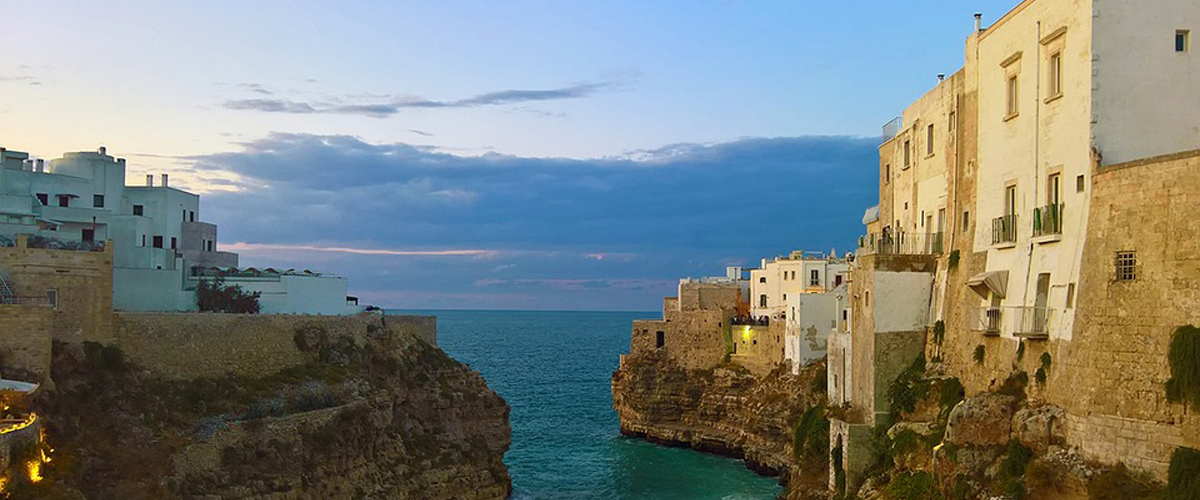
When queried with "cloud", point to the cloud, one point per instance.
{"points": [[392, 105], [26, 79], [385, 214]]}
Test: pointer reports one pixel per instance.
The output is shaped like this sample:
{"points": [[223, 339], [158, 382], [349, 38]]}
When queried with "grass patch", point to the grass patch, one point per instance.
{"points": [[914, 486], [1010, 480]]}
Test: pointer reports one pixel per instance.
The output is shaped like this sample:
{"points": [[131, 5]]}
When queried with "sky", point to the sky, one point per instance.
{"points": [[579, 155]]}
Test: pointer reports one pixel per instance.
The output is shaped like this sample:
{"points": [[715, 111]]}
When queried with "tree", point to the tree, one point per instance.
{"points": [[216, 296]]}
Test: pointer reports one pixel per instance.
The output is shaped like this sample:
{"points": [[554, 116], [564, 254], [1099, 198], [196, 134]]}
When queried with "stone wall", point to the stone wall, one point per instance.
{"points": [[1111, 375], [196, 345], [25, 339], [82, 279], [694, 326]]}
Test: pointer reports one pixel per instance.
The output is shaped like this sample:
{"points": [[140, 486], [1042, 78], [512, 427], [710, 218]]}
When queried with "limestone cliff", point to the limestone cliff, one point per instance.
{"points": [[372, 416], [725, 410]]}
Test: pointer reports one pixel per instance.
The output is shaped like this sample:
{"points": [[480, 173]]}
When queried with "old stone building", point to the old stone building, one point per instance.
{"points": [[1044, 193]]}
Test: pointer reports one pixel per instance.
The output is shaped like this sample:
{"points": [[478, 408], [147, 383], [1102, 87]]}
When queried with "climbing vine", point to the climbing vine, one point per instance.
{"points": [[1184, 358], [979, 353]]}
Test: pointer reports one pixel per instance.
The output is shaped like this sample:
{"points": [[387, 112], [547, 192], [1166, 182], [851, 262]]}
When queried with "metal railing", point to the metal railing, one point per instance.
{"points": [[45, 242], [900, 244], [1021, 321], [892, 129], [1004, 229], [1048, 220]]}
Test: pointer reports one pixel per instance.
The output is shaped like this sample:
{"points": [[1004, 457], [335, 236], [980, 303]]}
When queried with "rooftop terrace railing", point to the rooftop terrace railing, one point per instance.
{"points": [[49, 243], [901, 244], [892, 129]]}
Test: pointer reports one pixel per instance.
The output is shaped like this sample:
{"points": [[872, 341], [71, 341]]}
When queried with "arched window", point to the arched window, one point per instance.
{"points": [[762, 300]]}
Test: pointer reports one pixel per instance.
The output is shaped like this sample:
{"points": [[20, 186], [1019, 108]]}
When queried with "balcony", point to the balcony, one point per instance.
{"points": [[1004, 229], [1020, 321], [1047, 220], [900, 244]]}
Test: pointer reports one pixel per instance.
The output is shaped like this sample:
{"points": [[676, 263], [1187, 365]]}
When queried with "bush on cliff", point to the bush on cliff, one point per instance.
{"points": [[1183, 476], [1184, 358], [216, 296], [811, 441]]}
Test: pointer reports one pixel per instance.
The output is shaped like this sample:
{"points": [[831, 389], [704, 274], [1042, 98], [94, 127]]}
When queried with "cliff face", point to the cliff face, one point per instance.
{"points": [[367, 417], [725, 410]]}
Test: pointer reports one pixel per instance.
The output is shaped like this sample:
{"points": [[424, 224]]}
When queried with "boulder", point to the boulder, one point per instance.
{"points": [[982, 420], [1040, 427]]}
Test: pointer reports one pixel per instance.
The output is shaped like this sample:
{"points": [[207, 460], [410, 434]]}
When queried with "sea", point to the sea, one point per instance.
{"points": [[554, 369]]}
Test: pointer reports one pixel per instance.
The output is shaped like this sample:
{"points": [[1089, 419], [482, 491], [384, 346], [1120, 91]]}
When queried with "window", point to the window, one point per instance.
{"points": [[953, 120], [837, 280], [173, 243], [64, 200], [887, 173], [762, 300], [1055, 75], [184, 219], [191, 216], [87, 234], [762, 279], [1126, 266], [98, 201], [1010, 200], [966, 221], [660, 340], [785, 297], [139, 210], [1183, 41], [867, 298], [929, 140], [52, 298], [1052, 189], [1079, 183], [158, 242], [1013, 95], [210, 245], [143, 240], [815, 278], [907, 153], [44, 199]]}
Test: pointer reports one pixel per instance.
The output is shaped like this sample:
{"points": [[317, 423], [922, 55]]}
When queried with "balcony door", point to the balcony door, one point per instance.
{"points": [[1040, 313]]}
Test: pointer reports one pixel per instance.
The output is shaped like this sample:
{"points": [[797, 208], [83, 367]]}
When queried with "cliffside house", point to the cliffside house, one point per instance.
{"points": [[161, 247]]}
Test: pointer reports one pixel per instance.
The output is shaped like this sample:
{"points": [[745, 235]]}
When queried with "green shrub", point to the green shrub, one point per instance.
{"points": [[952, 261], [952, 391], [979, 354], [1183, 476], [1046, 360], [939, 332], [908, 387], [215, 296], [1015, 385], [1020, 350], [811, 440], [1184, 359], [1010, 480], [914, 486], [102, 357], [1040, 376]]}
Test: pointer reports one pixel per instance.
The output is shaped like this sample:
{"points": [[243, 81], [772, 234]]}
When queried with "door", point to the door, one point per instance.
{"points": [[89, 235], [1040, 313]]}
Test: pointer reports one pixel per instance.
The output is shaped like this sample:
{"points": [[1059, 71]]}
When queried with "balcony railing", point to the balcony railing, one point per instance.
{"points": [[1004, 229], [1047, 220], [1021, 321], [892, 129], [900, 244]]}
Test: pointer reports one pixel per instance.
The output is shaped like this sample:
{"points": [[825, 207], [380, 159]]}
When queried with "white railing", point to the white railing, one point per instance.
{"points": [[1020, 321]]}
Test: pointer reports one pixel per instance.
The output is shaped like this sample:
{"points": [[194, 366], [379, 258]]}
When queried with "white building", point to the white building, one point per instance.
{"points": [[159, 243], [798, 291]]}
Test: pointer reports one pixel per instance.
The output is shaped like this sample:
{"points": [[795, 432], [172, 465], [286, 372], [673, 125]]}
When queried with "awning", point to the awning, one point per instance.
{"points": [[18, 386], [871, 215], [996, 281]]}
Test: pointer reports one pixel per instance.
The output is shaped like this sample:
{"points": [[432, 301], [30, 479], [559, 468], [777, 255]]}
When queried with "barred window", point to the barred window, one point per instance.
{"points": [[1126, 266]]}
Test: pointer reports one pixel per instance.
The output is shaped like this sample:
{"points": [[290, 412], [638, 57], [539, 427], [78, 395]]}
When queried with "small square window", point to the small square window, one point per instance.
{"points": [[1183, 41], [139, 210], [158, 242], [98, 201], [966, 221], [52, 298], [1079, 183], [1126, 266]]}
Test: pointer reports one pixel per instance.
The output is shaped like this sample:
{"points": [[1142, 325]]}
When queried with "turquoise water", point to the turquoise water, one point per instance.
{"points": [[554, 368]]}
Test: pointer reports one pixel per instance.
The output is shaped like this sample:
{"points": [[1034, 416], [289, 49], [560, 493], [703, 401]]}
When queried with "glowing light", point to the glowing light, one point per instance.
{"points": [[34, 468], [7, 426]]}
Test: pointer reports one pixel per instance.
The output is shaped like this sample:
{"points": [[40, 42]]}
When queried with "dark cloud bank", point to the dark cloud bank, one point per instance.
{"points": [[561, 233]]}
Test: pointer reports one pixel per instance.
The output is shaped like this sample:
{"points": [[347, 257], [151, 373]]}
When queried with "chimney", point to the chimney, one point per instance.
{"points": [[941, 77], [149, 180], [103, 150], [978, 22], [164, 184], [40, 166]]}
